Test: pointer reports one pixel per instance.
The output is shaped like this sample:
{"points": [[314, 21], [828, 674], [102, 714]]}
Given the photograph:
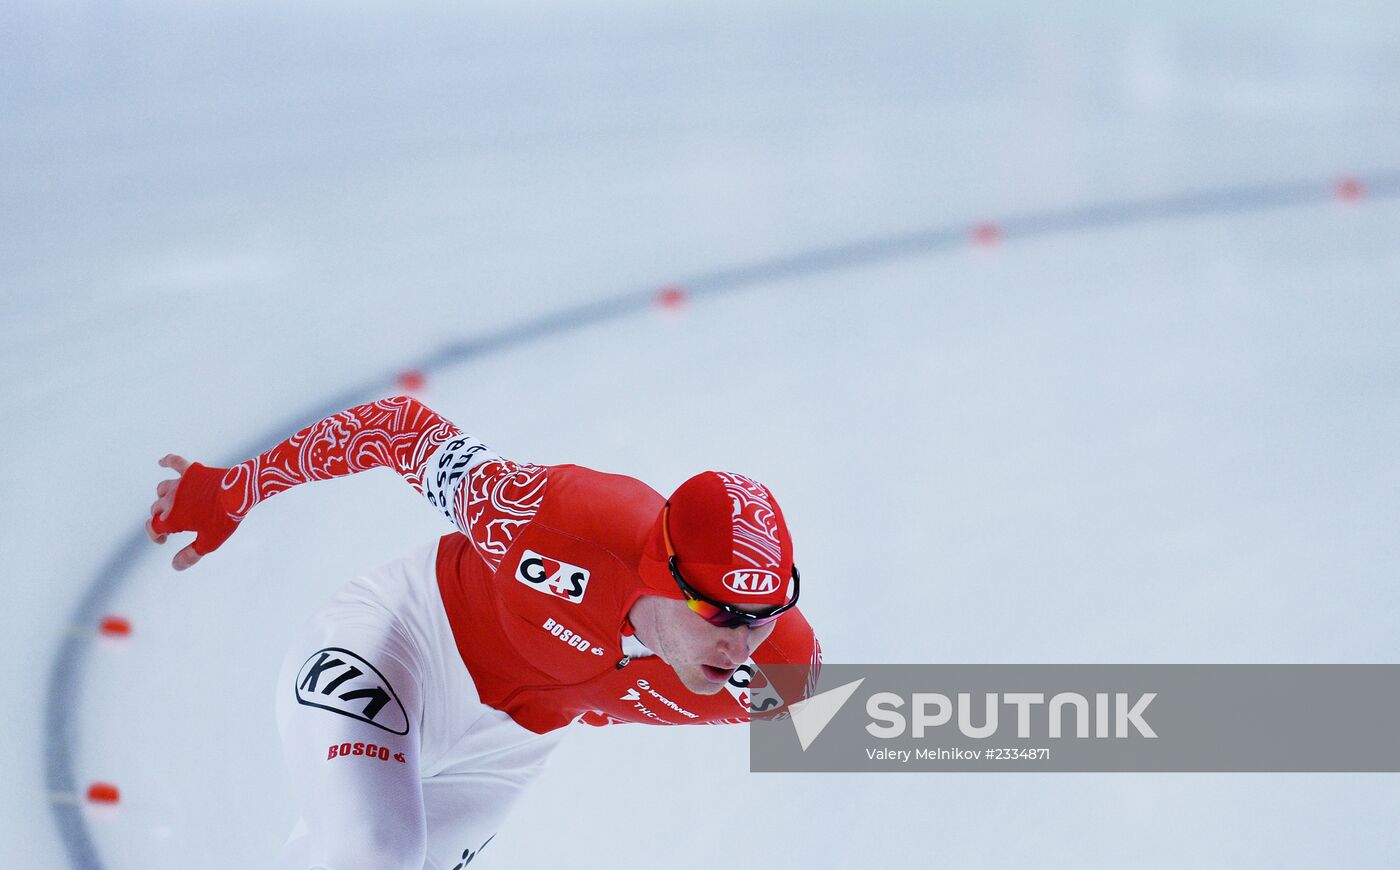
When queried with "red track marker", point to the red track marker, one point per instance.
{"points": [[1349, 189], [103, 793], [986, 234], [114, 626], [412, 380], [671, 296]]}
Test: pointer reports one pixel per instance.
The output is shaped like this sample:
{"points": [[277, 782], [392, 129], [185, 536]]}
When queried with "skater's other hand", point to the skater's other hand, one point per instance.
{"points": [[160, 510]]}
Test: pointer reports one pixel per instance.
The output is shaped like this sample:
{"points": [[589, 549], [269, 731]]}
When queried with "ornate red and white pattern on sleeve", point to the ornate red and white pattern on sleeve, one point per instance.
{"points": [[398, 433], [499, 499]]}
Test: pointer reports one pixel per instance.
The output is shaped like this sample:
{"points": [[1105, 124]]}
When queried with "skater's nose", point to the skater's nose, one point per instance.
{"points": [[734, 646]]}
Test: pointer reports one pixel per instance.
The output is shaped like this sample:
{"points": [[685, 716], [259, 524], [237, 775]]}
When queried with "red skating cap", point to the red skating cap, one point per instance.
{"points": [[730, 539]]}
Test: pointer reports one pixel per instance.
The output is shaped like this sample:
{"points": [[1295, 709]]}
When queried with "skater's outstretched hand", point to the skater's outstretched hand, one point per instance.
{"points": [[191, 503]]}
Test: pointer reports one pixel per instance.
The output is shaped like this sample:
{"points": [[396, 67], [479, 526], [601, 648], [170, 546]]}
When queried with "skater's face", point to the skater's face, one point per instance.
{"points": [[704, 656]]}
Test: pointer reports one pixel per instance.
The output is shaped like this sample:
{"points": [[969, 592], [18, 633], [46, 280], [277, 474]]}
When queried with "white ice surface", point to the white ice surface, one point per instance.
{"points": [[1173, 441]]}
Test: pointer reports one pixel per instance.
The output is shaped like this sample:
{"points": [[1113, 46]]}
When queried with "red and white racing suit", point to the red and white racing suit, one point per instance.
{"points": [[416, 707]]}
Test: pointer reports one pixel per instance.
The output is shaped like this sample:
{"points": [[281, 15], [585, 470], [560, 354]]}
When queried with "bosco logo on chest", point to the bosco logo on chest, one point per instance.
{"points": [[553, 577]]}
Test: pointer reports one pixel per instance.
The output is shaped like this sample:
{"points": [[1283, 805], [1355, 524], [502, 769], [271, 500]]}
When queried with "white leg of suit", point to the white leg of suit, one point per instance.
{"points": [[396, 763]]}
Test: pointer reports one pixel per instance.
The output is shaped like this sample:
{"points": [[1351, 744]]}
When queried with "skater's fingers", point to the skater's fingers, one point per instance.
{"points": [[175, 462], [155, 536], [166, 487], [185, 558], [160, 508]]}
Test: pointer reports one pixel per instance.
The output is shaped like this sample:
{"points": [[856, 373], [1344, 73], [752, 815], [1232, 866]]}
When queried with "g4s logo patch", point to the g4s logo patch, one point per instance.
{"points": [[752, 689], [552, 576]]}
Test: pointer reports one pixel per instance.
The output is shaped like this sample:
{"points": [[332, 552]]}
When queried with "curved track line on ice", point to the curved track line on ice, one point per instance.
{"points": [[66, 672]]}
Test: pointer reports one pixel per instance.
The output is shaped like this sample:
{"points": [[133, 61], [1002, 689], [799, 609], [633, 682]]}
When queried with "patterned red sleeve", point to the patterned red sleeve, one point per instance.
{"points": [[498, 500], [398, 433]]}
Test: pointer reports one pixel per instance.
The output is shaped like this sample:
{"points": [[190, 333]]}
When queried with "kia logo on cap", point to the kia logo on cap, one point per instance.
{"points": [[751, 582]]}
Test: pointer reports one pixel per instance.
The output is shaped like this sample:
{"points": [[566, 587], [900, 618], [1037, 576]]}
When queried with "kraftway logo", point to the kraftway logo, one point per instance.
{"points": [[643, 685], [336, 679], [552, 576]]}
